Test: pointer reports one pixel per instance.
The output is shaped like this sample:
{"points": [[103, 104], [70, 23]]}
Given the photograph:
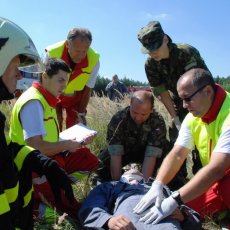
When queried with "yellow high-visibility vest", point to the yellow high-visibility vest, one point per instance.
{"points": [[78, 83], [50, 117], [206, 135]]}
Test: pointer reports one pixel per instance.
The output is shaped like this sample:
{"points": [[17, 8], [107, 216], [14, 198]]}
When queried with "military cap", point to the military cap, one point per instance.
{"points": [[151, 36]]}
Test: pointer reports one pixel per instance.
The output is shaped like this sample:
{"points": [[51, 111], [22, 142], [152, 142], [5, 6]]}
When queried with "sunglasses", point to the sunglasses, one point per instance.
{"points": [[189, 98]]}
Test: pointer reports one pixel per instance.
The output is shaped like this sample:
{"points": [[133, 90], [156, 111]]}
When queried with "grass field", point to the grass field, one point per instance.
{"points": [[100, 111]]}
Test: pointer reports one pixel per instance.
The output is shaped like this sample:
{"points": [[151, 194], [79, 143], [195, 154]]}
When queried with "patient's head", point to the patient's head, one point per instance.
{"points": [[132, 176]]}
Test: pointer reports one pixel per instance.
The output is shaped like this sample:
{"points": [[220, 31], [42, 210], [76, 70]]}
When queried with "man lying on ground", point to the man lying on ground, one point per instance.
{"points": [[110, 204]]}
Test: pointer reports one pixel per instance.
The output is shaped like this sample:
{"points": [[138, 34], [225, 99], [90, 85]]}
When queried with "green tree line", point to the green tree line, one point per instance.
{"points": [[102, 82], [223, 81]]}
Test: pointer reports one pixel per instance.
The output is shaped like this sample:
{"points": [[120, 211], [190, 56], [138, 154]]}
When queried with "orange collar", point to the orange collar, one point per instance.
{"points": [[50, 98], [211, 115]]}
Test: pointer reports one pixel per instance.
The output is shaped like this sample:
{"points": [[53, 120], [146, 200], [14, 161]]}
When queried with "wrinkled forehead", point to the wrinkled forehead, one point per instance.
{"points": [[185, 82]]}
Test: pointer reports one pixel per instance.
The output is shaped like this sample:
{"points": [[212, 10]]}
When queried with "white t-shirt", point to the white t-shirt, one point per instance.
{"points": [[93, 76], [186, 140], [31, 115]]}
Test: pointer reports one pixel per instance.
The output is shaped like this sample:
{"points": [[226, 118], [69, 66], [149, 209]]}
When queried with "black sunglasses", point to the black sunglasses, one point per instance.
{"points": [[189, 98]]}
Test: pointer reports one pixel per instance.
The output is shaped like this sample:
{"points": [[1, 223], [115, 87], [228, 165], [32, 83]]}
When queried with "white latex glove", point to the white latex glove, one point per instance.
{"points": [[155, 194], [177, 122], [156, 214]]}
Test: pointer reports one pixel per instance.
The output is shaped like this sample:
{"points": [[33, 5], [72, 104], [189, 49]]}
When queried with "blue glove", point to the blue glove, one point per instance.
{"points": [[155, 194], [156, 214]]}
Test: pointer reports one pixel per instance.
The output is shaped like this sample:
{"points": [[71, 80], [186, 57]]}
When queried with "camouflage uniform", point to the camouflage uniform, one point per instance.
{"points": [[134, 142], [163, 75]]}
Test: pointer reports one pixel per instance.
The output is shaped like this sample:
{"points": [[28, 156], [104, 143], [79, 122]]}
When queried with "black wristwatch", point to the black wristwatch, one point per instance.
{"points": [[176, 196]]}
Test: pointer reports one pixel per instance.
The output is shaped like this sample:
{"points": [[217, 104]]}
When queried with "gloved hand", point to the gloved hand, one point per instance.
{"points": [[57, 177], [155, 194], [177, 122], [156, 214]]}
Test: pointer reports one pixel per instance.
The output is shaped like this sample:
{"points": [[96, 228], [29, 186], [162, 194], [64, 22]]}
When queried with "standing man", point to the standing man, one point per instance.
{"points": [[136, 134], [207, 126], [167, 61], [17, 161], [116, 89], [84, 64]]}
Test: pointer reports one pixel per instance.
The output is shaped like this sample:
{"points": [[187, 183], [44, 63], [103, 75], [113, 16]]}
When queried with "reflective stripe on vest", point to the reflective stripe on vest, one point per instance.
{"points": [[12, 193], [79, 82], [27, 198], [4, 207], [206, 135], [50, 117], [22, 154]]}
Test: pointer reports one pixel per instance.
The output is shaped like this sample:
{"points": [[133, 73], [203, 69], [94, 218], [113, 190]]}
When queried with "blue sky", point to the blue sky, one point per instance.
{"points": [[115, 24]]}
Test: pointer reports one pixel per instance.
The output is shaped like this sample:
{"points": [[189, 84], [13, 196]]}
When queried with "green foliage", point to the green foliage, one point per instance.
{"points": [[224, 82], [102, 82], [130, 82], [100, 85]]}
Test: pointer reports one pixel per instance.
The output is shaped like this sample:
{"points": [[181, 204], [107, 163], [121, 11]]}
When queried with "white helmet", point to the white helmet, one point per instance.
{"points": [[15, 41]]}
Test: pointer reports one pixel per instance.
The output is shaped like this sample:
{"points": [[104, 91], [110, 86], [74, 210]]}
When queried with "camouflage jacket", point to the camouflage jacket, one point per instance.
{"points": [[125, 137], [163, 75]]}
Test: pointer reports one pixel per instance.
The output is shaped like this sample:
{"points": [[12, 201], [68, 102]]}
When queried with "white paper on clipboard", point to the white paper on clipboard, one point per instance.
{"points": [[78, 131]]}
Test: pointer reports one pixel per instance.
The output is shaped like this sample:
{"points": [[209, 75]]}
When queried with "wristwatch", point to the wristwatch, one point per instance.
{"points": [[176, 196]]}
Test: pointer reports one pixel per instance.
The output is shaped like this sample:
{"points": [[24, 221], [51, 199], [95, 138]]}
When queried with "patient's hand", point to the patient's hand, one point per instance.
{"points": [[120, 223], [177, 214]]}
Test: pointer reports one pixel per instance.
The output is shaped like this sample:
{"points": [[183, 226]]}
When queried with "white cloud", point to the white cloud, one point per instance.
{"points": [[151, 16], [163, 15]]}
